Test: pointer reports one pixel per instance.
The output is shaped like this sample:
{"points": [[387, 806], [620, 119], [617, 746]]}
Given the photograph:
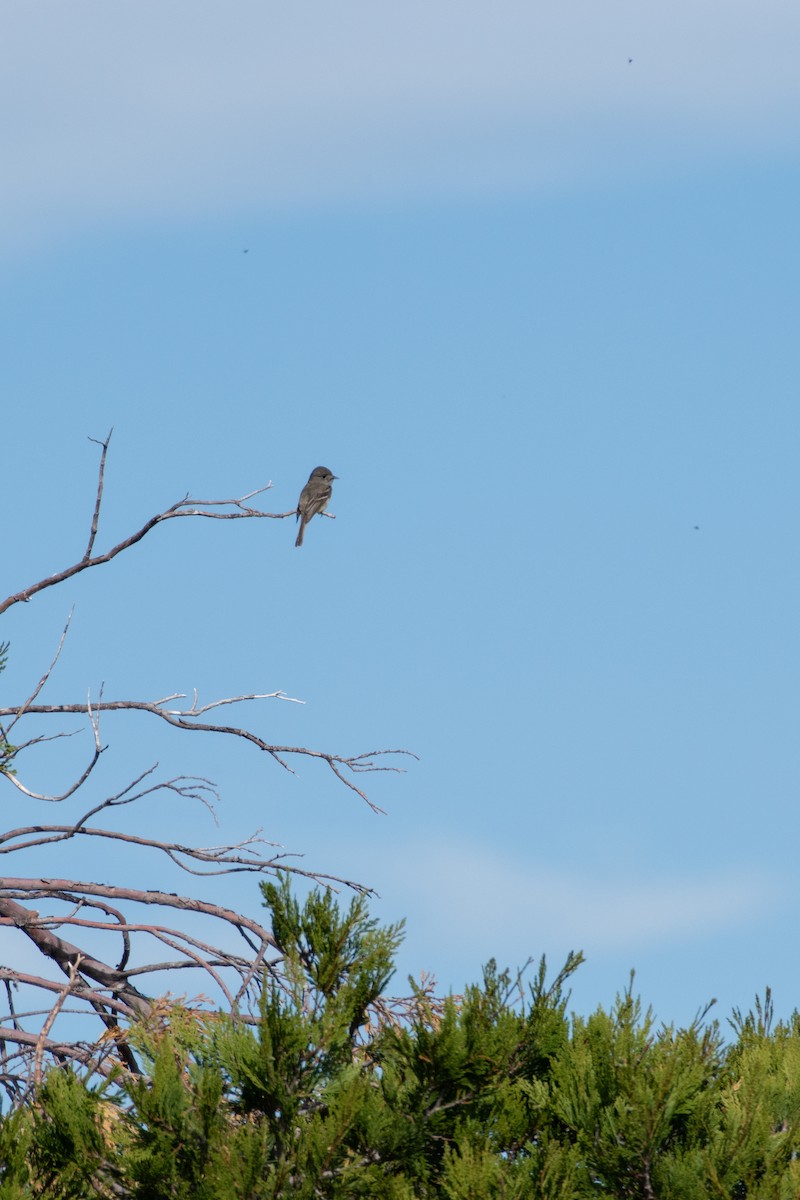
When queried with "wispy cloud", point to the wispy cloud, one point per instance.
{"points": [[482, 905], [113, 111]]}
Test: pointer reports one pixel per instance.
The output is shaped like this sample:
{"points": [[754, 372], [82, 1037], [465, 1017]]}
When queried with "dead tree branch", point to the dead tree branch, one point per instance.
{"points": [[186, 719], [130, 938], [187, 507], [44, 1033]]}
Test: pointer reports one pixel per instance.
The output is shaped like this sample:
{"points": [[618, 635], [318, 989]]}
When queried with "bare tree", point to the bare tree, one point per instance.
{"points": [[104, 949]]}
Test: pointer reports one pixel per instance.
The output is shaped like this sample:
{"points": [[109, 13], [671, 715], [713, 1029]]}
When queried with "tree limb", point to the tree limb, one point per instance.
{"points": [[185, 719], [186, 507], [43, 909]]}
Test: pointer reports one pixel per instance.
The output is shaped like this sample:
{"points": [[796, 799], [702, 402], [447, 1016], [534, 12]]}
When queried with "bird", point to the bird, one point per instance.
{"points": [[314, 498]]}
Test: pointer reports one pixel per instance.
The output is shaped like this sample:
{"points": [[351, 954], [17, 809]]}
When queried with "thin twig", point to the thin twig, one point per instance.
{"points": [[185, 719], [94, 721], [48, 1025], [98, 500], [100, 989], [20, 711], [186, 507]]}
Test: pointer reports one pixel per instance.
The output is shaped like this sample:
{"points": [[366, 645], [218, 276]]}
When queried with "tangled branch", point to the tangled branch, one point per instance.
{"points": [[109, 949]]}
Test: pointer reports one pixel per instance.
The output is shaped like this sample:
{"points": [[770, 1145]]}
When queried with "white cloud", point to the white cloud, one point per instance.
{"points": [[479, 904], [112, 111]]}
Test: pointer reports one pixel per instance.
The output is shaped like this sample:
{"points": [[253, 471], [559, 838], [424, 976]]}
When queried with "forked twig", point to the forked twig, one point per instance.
{"points": [[186, 507]]}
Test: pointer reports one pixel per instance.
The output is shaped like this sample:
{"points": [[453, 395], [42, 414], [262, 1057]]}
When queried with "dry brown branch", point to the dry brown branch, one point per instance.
{"points": [[185, 719], [62, 952], [187, 787], [124, 940], [79, 1052], [43, 909], [99, 496], [186, 507], [44, 1033], [77, 783], [223, 860], [30, 923], [23, 708], [107, 991], [41, 984]]}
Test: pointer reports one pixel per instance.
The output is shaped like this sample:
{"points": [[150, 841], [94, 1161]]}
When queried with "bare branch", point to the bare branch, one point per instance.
{"points": [[16, 713], [28, 922], [221, 860], [82, 991], [185, 719], [79, 1052], [125, 940], [187, 787], [182, 508], [79, 782], [98, 500], [64, 953], [48, 1025]]}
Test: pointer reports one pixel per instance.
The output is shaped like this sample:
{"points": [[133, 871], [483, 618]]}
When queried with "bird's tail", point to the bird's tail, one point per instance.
{"points": [[300, 531]]}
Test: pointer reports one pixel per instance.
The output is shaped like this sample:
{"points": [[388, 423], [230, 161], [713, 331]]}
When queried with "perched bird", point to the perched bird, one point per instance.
{"points": [[314, 498]]}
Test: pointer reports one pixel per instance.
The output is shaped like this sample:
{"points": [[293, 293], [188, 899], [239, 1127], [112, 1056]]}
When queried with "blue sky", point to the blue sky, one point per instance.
{"points": [[537, 306]]}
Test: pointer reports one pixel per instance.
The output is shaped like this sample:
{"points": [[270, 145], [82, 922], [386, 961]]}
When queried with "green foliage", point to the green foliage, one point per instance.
{"points": [[336, 965], [495, 1094], [15, 1150], [66, 1153], [757, 1142], [631, 1098], [179, 1119], [7, 751]]}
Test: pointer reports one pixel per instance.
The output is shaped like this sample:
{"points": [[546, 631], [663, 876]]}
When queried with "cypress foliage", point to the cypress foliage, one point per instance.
{"points": [[498, 1093]]}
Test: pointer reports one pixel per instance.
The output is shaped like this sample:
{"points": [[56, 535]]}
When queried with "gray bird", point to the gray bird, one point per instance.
{"points": [[314, 498]]}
